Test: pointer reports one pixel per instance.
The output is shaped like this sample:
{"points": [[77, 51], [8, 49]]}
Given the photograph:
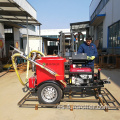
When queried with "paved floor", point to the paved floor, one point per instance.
{"points": [[11, 92]]}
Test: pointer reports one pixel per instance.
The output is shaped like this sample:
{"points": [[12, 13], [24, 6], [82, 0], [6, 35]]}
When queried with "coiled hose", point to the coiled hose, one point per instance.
{"points": [[15, 67], [28, 62]]}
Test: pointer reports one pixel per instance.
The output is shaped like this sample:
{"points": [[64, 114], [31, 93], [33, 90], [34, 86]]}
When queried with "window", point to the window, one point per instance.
{"points": [[114, 35], [52, 43], [8, 30]]}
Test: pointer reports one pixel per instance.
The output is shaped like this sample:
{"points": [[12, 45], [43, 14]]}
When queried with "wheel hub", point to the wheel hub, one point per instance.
{"points": [[49, 94]]}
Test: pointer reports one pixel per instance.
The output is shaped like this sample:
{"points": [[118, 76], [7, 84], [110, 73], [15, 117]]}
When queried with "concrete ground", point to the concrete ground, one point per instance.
{"points": [[11, 92]]}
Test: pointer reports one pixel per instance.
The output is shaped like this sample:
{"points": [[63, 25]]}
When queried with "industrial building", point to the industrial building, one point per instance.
{"points": [[105, 24], [50, 40], [50, 37], [55, 83], [18, 25]]}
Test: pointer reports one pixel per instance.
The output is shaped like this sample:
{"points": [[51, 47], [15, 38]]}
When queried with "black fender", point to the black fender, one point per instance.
{"points": [[52, 81]]}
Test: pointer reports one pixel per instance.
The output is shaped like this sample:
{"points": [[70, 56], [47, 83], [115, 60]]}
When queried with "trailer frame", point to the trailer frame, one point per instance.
{"points": [[103, 100]]}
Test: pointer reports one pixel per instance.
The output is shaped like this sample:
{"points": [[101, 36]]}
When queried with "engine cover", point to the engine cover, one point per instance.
{"points": [[81, 76]]}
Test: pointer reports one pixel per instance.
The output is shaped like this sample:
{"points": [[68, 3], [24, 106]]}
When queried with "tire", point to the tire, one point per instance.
{"points": [[49, 93]]}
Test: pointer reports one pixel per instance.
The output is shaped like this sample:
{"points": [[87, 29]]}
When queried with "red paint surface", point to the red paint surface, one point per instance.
{"points": [[83, 69], [56, 64], [32, 82]]}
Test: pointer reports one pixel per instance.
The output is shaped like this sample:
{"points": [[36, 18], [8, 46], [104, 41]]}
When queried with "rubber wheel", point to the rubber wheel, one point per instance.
{"points": [[49, 93]]}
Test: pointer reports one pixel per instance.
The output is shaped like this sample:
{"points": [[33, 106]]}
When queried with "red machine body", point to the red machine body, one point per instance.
{"points": [[83, 69], [55, 64], [32, 82]]}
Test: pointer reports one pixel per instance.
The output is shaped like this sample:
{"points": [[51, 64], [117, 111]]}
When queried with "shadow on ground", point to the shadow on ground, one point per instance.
{"points": [[3, 73], [114, 75]]}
